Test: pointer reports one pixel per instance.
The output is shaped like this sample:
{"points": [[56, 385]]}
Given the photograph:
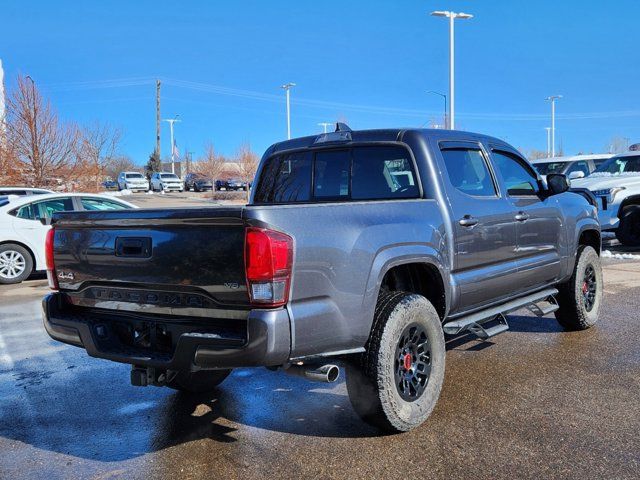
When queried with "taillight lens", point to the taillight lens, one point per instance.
{"points": [[52, 278], [268, 258]]}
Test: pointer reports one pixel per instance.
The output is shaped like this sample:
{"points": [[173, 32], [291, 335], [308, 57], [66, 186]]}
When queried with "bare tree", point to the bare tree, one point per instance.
{"points": [[210, 164], [117, 164], [535, 154], [98, 146], [617, 145], [247, 162], [45, 148]]}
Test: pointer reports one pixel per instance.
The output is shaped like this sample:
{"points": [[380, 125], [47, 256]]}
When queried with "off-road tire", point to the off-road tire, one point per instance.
{"points": [[371, 380], [573, 313], [628, 233], [198, 382], [11, 249]]}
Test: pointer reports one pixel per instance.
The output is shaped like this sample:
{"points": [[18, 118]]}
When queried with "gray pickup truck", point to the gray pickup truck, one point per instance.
{"points": [[361, 248]]}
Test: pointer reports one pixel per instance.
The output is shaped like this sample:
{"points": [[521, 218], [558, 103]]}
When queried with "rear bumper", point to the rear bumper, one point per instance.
{"points": [[265, 341]]}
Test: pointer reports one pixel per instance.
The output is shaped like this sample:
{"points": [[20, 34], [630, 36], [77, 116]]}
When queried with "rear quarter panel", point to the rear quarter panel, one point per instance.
{"points": [[342, 251]]}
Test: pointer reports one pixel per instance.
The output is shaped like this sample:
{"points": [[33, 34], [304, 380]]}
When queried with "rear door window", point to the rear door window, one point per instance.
{"points": [[49, 207], [99, 204], [358, 173], [468, 171]]}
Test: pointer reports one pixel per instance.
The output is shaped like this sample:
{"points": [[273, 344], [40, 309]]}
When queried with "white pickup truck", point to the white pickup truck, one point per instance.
{"points": [[616, 184]]}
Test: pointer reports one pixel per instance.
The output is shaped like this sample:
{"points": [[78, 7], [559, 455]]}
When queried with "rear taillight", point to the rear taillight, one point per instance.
{"points": [[268, 256], [48, 255]]}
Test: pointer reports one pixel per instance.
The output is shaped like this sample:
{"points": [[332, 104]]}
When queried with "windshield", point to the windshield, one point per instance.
{"points": [[619, 165], [550, 167], [134, 175], [169, 176]]}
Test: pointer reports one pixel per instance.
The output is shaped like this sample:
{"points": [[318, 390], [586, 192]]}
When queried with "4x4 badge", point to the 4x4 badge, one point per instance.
{"points": [[66, 276]]}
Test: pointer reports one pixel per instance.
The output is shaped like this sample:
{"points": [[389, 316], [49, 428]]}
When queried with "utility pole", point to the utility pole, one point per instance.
{"points": [[171, 121], [286, 87], [452, 17], [158, 118], [553, 99], [324, 125], [548, 129]]}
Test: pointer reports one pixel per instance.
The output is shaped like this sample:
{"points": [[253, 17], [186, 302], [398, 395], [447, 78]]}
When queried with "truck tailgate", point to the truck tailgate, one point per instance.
{"points": [[170, 261]]}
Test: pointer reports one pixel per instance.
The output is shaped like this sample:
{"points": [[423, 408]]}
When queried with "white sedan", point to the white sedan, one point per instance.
{"points": [[22, 233]]}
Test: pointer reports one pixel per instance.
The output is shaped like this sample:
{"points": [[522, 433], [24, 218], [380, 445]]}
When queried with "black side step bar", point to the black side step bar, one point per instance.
{"points": [[539, 303]]}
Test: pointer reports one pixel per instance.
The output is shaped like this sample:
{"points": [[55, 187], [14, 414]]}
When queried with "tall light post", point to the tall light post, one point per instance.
{"points": [[324, 125], [553, 99], [286, 87], [171, 121], [548, 129], [452, 17], [445, 106]]}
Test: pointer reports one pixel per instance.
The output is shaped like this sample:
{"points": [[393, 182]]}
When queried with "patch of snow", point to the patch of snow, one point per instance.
{"points": [[607, 174], [619, 256], [117, 194], [150, 192]]}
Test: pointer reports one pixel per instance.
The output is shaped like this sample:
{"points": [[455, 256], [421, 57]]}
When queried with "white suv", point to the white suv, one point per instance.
{"points": [[166, 182], [133, 181], [616, 183]]}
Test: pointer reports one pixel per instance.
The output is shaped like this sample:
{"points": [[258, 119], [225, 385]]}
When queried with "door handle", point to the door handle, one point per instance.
{"points": [[521, 216], [468, 221]]}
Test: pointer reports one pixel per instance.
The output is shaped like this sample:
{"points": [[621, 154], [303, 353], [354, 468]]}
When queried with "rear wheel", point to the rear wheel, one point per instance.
{"points": [[628, 233], [16, 263], [396, 383], [198, 382], [580, 297]]}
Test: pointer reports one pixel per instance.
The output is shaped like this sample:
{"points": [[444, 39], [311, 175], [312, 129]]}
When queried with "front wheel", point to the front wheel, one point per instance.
{"points": [[628, 233], [580, 297], [396, 383], [198, 382]]}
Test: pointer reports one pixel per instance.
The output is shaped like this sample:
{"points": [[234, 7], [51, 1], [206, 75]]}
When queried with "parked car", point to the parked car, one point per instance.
{"points": [[421, 233], [197, 182], [110, 185], [22, 233], [616, 184], [576, 166], [161, 181], [22, 191], [133, 181], [231, 184]]}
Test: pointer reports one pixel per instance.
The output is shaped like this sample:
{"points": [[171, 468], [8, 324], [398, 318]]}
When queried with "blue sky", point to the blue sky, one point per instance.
{"points": [[367, 62]]}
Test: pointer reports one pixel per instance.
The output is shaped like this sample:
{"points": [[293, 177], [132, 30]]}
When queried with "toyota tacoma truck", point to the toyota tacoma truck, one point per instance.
{"points": [[357, 248]]}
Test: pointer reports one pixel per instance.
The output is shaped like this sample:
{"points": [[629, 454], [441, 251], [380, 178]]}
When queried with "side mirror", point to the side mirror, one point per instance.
{"points": [[557, 183], [575, 175]]}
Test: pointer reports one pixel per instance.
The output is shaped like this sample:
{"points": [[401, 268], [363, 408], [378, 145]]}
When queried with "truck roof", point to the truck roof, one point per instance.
{"points": [[380, 135]]}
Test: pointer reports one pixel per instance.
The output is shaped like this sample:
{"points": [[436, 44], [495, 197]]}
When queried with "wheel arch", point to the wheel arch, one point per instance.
{"points": [[416, 268], [590, 237], [630, 200]]}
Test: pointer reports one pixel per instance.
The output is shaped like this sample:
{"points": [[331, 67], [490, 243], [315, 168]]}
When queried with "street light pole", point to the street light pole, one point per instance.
{"points": [[452, 17], [286, 87], [445, 106], [171, 121], [548, 129], [553, 99], [324, 125]]}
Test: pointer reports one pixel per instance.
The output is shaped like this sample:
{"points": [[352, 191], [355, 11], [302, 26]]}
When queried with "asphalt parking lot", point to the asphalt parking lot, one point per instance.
{"points": [[534, 402]]}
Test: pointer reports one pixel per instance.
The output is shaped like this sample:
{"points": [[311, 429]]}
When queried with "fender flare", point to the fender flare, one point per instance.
{"points": [[404, 254]]}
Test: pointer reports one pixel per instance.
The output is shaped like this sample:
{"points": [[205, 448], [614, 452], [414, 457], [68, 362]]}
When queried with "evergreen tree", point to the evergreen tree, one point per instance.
{"points": [[153, 165]]}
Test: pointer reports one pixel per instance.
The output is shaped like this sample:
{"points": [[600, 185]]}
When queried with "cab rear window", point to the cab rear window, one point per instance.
{"points": [[351, 174]]}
